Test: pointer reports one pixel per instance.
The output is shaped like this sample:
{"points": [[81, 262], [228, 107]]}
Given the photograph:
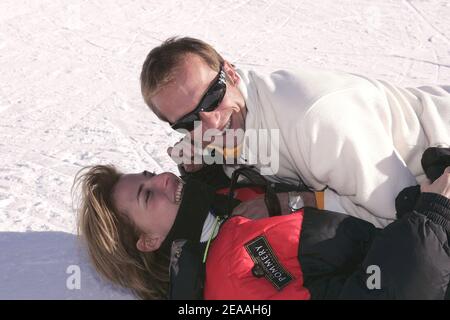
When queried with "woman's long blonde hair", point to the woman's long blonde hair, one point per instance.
{"points": [[111, 238]]}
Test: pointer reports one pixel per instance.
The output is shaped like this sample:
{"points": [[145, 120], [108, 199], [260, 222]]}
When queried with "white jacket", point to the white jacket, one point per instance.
{"points": [[359, 137]]}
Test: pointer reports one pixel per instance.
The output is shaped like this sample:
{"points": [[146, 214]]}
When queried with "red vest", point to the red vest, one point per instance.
{"points": [[256, 259]]}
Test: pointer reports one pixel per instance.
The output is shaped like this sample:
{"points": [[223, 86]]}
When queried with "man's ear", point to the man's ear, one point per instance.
{"points": [[231, 73], [148, 243]]}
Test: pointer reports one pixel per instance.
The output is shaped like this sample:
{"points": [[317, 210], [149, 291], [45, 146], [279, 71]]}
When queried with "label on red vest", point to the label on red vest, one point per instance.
{"points": [[266, 263]]}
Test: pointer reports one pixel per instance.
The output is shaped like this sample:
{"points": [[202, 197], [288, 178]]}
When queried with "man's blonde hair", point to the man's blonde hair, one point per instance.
{"points": [[111, 238], [158, 67]]}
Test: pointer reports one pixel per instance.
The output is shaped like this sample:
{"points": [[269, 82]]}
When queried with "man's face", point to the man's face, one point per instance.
{"points": [[191, 80]]}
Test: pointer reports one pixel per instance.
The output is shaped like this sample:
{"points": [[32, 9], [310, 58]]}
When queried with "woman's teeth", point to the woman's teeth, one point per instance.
{"points": [[179, 192]]}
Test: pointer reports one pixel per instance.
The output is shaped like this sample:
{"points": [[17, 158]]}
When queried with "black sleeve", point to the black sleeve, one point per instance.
{"points": [[412, 255], [407, 200], [332, 245]]}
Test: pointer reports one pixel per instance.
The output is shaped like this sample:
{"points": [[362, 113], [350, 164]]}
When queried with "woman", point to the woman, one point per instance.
{"points": [[140, 226]]}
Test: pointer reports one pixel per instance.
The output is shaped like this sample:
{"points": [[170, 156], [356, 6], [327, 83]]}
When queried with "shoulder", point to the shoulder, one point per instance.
{"points": [[306, 88]]}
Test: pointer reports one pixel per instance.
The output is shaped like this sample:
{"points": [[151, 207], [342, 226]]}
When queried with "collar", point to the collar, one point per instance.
{"points": [[197, 201]]}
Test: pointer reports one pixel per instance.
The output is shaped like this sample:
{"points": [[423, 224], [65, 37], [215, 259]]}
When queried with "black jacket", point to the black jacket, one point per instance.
{"points": [[340, 255]]}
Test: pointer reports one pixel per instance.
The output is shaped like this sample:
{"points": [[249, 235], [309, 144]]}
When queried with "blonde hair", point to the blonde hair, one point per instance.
{"points": [[158, 67], [111, 238]]}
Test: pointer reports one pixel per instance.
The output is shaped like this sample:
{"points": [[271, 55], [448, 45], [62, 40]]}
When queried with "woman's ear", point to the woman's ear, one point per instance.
{"points": [[231, 73], [148, 243]]}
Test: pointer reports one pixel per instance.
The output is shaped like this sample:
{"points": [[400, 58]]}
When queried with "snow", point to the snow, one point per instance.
{"points": [[70, 97]]}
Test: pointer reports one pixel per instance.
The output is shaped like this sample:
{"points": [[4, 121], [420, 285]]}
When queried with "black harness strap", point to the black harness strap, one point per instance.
{"points": [[270, 197]]}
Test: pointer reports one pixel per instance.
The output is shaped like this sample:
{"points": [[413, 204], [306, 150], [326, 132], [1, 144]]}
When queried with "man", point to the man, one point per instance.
{"points": [[359, 139]]}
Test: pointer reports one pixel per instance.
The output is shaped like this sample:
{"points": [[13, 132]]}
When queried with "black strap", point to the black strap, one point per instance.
{"points": [[270, 196]]}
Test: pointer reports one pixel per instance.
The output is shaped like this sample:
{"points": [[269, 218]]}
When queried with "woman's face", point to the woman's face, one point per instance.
{"points": [[151, 203]]}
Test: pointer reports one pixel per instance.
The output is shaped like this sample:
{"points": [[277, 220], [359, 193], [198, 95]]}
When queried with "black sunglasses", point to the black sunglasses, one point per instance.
{"points": [[209, 102]]}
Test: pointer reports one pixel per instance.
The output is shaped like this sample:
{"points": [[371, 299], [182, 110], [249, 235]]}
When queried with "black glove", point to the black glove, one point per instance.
{"points": [[434, 161]]}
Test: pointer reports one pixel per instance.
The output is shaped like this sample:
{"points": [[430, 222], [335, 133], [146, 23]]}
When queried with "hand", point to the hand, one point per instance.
{"points": [[187, 154], [440, 186], [189, 151], [188, 167]]}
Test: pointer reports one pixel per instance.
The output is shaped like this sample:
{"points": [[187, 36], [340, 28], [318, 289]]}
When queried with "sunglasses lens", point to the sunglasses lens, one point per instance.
{"points": [[209, 102]]}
